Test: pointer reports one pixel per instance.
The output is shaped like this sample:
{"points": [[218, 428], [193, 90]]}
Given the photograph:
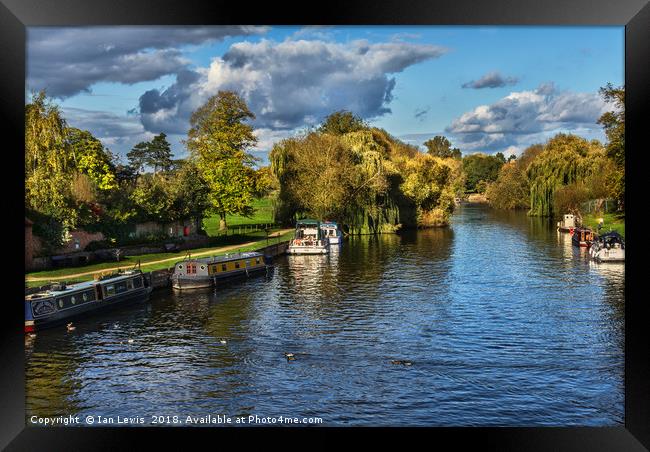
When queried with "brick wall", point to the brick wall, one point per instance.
{"points": [[79, 240]]}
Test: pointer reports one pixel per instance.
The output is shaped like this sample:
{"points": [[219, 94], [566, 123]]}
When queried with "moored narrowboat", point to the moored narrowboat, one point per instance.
{"points": [[308, 239], [582, 237], [332, 232], [61, 303], [206, 272]]}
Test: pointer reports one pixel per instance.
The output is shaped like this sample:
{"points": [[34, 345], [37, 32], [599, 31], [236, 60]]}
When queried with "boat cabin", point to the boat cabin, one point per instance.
{"points": [[203, 272], [61, 301]]}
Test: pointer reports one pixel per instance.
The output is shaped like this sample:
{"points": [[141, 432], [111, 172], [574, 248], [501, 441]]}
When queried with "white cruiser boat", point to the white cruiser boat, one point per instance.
{"points": [[308, 239], [609, 247], [332, 232]]}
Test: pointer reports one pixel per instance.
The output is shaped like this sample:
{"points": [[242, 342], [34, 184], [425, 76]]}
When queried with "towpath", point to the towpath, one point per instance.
{"points": [[144, 264]]}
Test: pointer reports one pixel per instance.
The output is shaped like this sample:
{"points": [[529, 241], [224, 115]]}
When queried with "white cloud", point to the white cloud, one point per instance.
{"points": [[522, 117], [293, 83]]}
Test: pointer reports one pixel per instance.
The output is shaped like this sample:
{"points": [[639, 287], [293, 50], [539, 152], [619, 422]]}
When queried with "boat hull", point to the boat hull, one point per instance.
{"points": [[608, 255], [202, 282], [60, 317], [335, 240], [308, 249]]}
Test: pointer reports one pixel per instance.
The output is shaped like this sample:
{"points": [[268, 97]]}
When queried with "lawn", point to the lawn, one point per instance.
{"points": [[611, 221], [263, 215], [148, 261]]}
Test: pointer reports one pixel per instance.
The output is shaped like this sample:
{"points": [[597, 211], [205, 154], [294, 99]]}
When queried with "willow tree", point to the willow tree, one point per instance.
{"points": [[365, 179], [566, 159], [47, 159], [218, 139]]}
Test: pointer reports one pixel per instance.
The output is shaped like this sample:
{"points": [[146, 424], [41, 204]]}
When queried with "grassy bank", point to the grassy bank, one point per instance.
{"points": [[157, 261], [611, 221], [263, 214]]}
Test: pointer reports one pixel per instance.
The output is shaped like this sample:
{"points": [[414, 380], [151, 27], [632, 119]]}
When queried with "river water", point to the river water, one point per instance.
{"points": [[505, 323]]}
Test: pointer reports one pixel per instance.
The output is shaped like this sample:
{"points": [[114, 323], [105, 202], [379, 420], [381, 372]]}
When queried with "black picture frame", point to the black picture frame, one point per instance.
{"points": [[15, 15]]}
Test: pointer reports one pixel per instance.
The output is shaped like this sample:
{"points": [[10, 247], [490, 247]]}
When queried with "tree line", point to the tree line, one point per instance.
{"points": [[556, 177], [73, 181], [344, 169]]}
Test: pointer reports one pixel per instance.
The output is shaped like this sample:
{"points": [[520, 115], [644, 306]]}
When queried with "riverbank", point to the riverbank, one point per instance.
{"points": [[477, 198], [611, 221], [149, 262]]}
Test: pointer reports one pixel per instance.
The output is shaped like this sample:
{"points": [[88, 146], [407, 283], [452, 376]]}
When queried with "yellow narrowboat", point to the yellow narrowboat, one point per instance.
{"points": [[205, 272]]}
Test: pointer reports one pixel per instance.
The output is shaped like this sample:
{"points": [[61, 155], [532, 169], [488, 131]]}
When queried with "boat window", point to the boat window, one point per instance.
{"points": [[73, 300], [223, 267], [202, 267], [88, 295], [137, 282], [257, 261], [248, 263], [129, 284], [85, 296], [180, 267], [60, 302], [120, 287], [109, 290], [191, 268], [237, 264]]}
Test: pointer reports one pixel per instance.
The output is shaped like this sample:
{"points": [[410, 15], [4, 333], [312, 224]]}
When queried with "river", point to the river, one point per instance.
{"points": [[505, 323]]}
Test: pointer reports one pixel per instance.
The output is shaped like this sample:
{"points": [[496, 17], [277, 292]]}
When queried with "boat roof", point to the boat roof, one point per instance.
{"points": [[80, 285], [329, 224], [307, 221], [223, 258], [611, 235]]}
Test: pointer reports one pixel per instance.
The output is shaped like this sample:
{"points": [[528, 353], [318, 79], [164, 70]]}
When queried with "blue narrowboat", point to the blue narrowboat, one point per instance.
{"points": [[61, 303]]}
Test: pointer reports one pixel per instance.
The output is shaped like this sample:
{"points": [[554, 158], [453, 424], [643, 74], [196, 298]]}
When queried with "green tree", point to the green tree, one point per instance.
{"points": [[481, 167], [188, 192], [440, 146], [614, 124], [218, 139], [91, 158], [511, 190], [342, 122], [48, 166], [566, 159], [151, 198], [155, 154]]}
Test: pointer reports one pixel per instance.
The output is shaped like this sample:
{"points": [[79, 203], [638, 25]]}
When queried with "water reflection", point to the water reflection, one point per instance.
{"points": [[505, 322]]}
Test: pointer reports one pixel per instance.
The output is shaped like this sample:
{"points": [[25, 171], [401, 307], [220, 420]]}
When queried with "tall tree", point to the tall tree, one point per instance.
{"points": [[48, 165], [614, 124], [566, 159], [481, 167], [342, 122], [155, 154], [92, 159], [160, 153], [218, 139], [440, 146]]}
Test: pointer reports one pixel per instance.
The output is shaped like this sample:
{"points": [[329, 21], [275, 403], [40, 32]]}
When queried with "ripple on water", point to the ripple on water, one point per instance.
{"points": [[505, 323]]}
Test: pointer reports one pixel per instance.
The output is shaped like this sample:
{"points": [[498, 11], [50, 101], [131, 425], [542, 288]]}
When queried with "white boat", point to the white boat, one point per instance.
{"points": [[567, 224], [332, 232], [308, 239], [609, 247]]}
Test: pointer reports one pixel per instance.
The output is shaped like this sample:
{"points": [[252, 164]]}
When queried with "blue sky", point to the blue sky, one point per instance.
{"points": [[489, 89]]}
